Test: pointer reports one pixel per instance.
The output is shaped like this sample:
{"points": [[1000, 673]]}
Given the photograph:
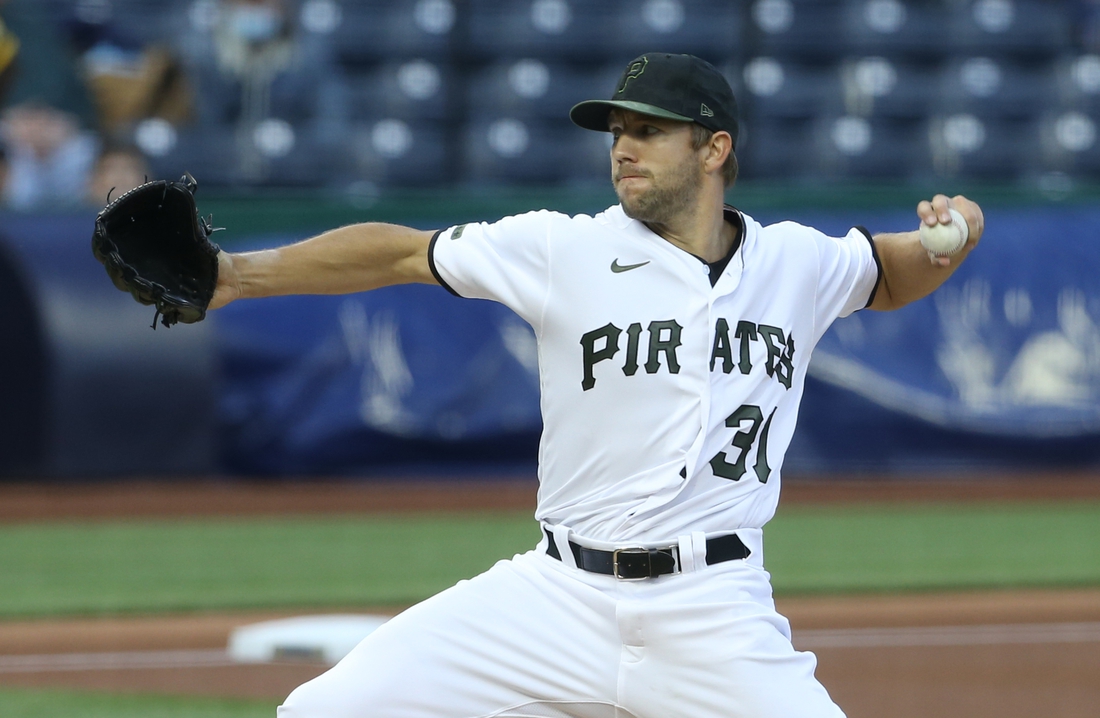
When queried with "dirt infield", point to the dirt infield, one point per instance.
{"points": [[1002, 655], [996, 653]]}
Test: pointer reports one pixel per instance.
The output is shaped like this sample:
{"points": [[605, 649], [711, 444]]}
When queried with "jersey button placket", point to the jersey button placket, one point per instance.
{"points": [[705, 394], [726, 285], [704, 310]]}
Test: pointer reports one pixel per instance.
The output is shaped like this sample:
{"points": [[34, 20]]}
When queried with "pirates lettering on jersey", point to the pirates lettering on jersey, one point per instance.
{"points": [[664, 338], [780, 346], [603, 344]]}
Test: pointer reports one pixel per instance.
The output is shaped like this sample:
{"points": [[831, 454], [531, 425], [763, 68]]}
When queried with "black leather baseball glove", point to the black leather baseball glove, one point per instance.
{"points": [[155, 246]]}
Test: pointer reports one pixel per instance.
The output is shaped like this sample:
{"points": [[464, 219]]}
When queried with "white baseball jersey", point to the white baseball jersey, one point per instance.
{"points": [[668, 403]]}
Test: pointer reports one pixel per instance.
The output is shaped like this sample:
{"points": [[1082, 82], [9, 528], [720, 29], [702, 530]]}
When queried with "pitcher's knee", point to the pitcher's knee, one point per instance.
{"points": [[294, 707], [312, 701], [337, 695]]}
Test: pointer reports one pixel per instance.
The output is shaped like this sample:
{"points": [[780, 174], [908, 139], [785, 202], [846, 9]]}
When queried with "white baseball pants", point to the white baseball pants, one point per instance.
{"points": [[537, 637]]}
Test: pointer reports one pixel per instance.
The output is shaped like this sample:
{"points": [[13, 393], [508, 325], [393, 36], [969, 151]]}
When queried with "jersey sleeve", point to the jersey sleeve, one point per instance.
{"points": [[848, 275], [506, 261]]}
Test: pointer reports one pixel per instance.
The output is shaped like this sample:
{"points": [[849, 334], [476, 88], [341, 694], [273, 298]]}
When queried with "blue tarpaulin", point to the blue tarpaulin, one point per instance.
{"points": [[396, 377], [999, 369]]}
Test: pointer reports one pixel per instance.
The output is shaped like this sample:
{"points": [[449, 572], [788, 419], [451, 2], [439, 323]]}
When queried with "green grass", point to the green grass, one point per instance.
{"points": [[934, 546], [213, 564], [21, 703], [150, 566]]}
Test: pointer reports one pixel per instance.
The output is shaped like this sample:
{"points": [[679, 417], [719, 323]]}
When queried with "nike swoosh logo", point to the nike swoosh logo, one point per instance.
{"points": [[616, 267]]}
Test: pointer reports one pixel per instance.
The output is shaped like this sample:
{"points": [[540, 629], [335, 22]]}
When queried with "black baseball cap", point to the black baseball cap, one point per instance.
{"points": [[676, 87]]}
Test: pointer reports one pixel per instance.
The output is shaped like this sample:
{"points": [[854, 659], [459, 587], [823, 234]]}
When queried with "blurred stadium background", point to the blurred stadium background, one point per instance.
{"points": [[435, 93], [300, 115]]}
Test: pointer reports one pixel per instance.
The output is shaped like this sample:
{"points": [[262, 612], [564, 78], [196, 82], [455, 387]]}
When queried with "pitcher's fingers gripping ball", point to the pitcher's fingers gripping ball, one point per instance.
{"points": [[155, 246], [942, 240]]}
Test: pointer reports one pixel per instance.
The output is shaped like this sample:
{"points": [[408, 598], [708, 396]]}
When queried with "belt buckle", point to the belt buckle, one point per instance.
{"points": [[631, 550]]}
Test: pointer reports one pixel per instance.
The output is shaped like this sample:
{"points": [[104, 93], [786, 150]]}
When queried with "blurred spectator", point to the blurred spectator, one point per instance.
{"points": [[119, 168], [45, 68], [49, 157], [49, 149], [252, 64], [128, 82], [9, 49]]}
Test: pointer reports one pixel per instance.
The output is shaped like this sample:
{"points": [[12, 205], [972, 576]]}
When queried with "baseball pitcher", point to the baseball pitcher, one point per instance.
{"points": [[674, 333]]}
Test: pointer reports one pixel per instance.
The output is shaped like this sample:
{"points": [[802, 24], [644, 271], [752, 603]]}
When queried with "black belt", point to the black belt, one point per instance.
{"points": [[636, 563]]}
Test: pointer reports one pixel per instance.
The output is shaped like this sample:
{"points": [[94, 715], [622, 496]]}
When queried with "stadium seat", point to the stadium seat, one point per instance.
{"points": [[851, 147], [1078, 82], [543, 29], [776, 149], [392, 151], [387, 151], [309, 163], [993, 88], [710, 29], [774, 88], [796, 29], [531, 89], [966, 146], [373, 30], [876, 86], [1012, 27], [143, 21], [202, 152], [508, 150], [915, 30], [1071, 143], [275, 154], [414, 89]]}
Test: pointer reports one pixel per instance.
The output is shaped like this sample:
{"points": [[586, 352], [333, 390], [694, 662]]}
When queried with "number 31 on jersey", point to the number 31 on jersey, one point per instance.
{"points": [[722, 465]]}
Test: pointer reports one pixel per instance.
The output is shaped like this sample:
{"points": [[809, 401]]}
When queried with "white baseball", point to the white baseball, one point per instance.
{"points": [[945, 239]]}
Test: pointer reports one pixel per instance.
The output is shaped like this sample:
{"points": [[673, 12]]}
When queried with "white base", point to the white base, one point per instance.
{"points": [[304, 638]]}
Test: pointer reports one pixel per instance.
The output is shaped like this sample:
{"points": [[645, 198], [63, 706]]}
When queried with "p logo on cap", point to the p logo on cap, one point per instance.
{"points": [[683, 88], [635, 70]]}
